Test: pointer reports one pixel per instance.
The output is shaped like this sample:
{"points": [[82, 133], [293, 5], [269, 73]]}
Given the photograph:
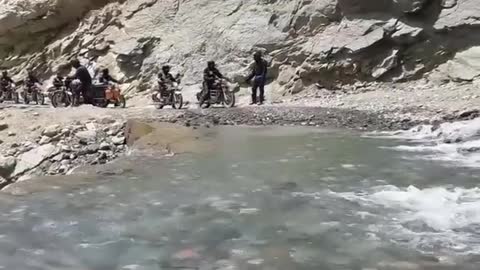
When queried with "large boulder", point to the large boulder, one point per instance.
{"points": [[34, 157]]}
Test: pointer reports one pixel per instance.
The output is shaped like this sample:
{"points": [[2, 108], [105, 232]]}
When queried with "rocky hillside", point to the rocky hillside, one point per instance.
{"points": [[327, 43]]}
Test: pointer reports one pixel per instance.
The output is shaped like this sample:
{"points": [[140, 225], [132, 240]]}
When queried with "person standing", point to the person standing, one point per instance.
{"points": [[259, 76], [85, 79]]}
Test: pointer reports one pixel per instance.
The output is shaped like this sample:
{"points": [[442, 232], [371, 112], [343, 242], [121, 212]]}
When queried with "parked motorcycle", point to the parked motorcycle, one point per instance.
{"points": [[220, 94], [105, 94], [62, 96], [34, 93], [172, 96], [8, 93]]}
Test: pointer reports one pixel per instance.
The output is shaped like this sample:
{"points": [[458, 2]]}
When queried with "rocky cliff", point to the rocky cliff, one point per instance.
{"points": [[321, 43]]}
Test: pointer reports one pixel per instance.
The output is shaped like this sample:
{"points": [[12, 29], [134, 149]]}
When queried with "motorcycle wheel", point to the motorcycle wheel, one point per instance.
{"points": [[16, 97], [25, 98], [122, 102], [177, 101], [102, 104], [61, 99], [229, 99], [40, 99]]}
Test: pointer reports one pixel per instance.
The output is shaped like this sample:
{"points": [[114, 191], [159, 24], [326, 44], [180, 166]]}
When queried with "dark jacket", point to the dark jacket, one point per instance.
{"points": [[4, 81], [58, 82], [31, 81], [84, 76], [260, 69], [210, 74]]}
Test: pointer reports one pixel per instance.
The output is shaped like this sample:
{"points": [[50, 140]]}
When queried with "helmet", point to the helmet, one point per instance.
{"points": [[4, 73], [75, 63], [105, 71], [166, 68], [257, 55], [211, 63]]}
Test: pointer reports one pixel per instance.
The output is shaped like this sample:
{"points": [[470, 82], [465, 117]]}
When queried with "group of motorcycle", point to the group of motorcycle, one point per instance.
{"points": [[220, 94], [9, 93], [62, 96], [105, 94]]}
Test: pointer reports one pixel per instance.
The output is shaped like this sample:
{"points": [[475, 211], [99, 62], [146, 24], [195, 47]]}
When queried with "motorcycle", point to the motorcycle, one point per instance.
{"points": [[33, 93], [62, 96], [172, 96], [104, 94], [219, 94], [8, 93]]}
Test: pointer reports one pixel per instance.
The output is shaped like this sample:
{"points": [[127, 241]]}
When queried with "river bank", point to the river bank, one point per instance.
{"points": [[38, 141]]}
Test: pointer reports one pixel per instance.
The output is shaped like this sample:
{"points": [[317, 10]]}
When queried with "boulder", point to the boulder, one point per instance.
{"points": [[87, 135], [34, 157], [51, 131], [3, 126], [118, 140], [7, 166], [105, 146]]}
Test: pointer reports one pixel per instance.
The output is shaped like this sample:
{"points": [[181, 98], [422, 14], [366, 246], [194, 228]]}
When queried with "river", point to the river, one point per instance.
{"points": [[262, 198]]}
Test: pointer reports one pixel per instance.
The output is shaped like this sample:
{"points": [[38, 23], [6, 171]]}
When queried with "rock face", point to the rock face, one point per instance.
{"points": [[326, 42], [34, 157]]}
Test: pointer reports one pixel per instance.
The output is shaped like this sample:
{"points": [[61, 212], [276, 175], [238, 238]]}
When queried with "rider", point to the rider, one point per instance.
{"points": [[105, 78], [259, 76], [31, 80], [210, 76], [5, 80], [58, 81], [84, 77], [165, 79]]}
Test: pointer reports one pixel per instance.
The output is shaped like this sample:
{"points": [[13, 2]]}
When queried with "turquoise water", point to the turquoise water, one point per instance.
{"points": [[262, 198]]}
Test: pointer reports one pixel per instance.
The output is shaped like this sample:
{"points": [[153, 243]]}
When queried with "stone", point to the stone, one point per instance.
{"points": [[87, 135], [118, 140], [44, 140], [92, 149], [107, 120], [34, 157], [7, 166], [105, 146], [36, 114], [11, 134], [3, 126], [91, 126], [51, 131]]}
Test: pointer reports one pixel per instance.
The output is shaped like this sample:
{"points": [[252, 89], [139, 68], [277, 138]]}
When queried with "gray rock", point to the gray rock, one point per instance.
{"points": [[118, 140], [44, 140], [11, 134], [105, 146], [3, 126], [34, 157], [51, 131], [7, 166], [87, 135], [92, 149], [107, 120]]}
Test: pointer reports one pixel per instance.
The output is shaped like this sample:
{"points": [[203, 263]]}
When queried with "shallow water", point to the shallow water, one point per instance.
{"points": [[263, 198]]}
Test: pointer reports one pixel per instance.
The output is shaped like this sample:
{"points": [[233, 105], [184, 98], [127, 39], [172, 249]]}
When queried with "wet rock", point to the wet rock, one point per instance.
{"points": [[34, 157], [51, 131], [7, 166]]}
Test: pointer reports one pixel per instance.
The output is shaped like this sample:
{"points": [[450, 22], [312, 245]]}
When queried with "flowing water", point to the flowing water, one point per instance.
{"points": [[262, 198]]}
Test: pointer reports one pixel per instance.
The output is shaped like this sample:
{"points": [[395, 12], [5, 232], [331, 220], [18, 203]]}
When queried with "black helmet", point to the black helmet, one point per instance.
{"points": [[105, 71], [211, 63], [166, 68], [257, 55], [4, 73], [75, 63]]}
